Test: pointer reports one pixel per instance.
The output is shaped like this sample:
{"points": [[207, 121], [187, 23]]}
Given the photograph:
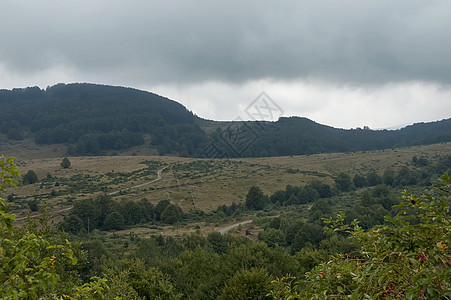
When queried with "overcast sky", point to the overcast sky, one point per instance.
{"points": [[342, 63]]}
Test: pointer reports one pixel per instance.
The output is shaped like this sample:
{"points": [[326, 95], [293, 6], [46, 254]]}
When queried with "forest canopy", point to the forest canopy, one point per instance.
{"points": [[96, 119]]}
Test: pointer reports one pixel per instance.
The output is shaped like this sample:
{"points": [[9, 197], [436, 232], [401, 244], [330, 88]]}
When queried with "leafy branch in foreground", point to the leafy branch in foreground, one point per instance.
{"points": [[28, 261], [410, 258], [37, 262]]}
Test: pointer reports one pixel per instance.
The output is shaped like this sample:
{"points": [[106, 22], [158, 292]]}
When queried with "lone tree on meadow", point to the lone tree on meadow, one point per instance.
{"points": [[65, 163], [30, 178]]}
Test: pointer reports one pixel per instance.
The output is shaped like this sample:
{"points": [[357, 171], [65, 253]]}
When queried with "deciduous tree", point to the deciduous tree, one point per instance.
{"points": [[255, 199], [65, 163], [30, 178]]}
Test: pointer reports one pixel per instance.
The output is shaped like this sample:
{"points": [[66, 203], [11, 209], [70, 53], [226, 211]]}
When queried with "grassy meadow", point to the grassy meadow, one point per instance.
{"points": [[196, 183]]}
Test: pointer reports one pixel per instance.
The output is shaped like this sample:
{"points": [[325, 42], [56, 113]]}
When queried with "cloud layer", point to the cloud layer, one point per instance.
{"points": [[184, 45], [181, 41], [388, 106]]}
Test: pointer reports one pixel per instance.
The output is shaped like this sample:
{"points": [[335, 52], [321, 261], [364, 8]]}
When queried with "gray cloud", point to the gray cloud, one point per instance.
{"points": [[183, 42], [387, 106]]}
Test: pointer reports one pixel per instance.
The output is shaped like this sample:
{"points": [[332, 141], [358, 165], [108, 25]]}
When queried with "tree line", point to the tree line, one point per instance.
{"points": [[93, 119], [104, 213]]}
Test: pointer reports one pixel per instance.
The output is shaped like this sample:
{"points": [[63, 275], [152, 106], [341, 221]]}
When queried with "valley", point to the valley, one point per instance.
{"points": [[204, 219], [197, 184]]}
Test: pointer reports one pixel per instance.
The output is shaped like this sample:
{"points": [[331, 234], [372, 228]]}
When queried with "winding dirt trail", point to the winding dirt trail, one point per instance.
{"points": [[52, 213], [159, 177], [224, 230]]}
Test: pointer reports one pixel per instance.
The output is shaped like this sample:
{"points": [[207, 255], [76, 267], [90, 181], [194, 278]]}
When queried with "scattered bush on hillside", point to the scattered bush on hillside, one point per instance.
{"points": [[30, 178], [65, 163]]}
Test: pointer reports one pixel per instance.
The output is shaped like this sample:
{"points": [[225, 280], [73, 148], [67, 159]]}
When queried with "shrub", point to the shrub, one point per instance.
{"points": [[30, 178]]}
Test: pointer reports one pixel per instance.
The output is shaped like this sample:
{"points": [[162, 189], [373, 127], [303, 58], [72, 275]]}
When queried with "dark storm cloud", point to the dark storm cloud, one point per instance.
{"points": [[350, 42]]}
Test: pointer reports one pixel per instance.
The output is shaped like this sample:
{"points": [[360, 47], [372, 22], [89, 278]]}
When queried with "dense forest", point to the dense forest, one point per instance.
{"points": [[379, 246], [297, 136], [95, 119]]}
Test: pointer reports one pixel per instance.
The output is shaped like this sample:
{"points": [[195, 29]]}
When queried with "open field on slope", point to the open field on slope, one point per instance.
{"points": [[196, 183]]}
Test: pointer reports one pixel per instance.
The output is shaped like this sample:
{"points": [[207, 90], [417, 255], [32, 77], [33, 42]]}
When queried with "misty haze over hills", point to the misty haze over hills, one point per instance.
{"points": [[97, 119]]}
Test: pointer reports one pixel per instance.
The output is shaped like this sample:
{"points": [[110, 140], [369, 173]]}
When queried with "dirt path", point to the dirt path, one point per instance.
{"points": [[224, 230], [159, 177], [52, 213]]}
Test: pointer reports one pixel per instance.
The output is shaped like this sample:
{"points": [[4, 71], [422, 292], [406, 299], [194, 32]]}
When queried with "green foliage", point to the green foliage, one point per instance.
{"points": [[278, 197], [160, 207], [272, 237], [295, 195], [10, 197], [258, 255], [148, 283], [95, 289], [408, 258], [8, 172], [199, 274], [105, 214], [420, 162], [295, 136], [218, 242], [24, 273], [309, 234], [201, 267], [171, 214], [254, 283], [321, 208], [359, 181], [15, 134], [73, 224], [292, 200], [389, 177], [310, 257], [225, 266], [33, 205], [29, 262], [94, 119], [343, 182], [384, 196], [373, 179], [95, 256], [114, 221], [65, 163], [30, 178], [255, 199]]}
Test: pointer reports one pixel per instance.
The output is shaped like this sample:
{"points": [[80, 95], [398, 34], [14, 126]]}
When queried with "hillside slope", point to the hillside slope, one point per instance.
{"points": [[295, 136], [96, 120]]}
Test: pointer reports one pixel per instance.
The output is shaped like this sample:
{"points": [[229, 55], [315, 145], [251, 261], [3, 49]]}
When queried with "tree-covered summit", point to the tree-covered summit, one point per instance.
{"points": [[98, 119], [95, 118]]}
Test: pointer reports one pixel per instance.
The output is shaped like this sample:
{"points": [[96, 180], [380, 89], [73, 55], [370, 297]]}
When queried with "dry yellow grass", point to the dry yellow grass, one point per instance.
{"points": [[205, 184]]}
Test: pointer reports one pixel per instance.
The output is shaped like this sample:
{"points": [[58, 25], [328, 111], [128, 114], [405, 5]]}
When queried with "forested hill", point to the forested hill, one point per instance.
{"points": [[96, 119], [92, 119], [294, 135]]}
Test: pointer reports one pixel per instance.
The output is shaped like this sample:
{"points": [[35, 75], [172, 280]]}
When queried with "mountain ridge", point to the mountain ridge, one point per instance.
{"points": [[93, 119]]}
